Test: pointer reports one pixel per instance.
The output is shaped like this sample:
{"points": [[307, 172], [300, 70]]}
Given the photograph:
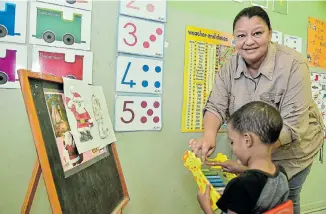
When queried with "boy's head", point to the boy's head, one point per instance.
{"points": [[252, 127]]}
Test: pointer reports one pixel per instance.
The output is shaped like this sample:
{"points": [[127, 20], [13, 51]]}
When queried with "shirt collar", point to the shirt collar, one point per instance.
{"points": [[266, 68]]}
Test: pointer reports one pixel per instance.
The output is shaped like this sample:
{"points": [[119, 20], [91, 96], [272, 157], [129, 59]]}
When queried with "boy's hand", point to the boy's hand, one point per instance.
{"points": [[229, 166], [204, 200]]}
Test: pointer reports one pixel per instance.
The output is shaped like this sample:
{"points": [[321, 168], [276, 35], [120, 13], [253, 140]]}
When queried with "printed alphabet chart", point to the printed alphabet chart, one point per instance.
{"points": [[142, 75], [140, 37], [12, 58], [13, 15], [154, 10], [137, 113]]}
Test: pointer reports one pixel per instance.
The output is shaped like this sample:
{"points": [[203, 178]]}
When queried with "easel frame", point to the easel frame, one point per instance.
{"points": [[42, 165]]}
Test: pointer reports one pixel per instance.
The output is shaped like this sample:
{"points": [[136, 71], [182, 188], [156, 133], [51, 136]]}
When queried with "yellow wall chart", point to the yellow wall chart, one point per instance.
{"points": [[205, 52]]}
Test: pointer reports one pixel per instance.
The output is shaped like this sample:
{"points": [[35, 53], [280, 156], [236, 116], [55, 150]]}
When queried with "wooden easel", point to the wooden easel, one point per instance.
{"points": [[33, 183], [42, 162]]}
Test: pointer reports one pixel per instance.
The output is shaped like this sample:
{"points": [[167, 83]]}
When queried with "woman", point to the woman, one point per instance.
{"points": [[262, 70]]}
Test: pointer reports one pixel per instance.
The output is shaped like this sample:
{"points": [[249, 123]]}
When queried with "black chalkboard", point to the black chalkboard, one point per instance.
{"points": [[97, 189]]}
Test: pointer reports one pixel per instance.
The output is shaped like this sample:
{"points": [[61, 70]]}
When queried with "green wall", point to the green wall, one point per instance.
{"points": [[157, 181]]}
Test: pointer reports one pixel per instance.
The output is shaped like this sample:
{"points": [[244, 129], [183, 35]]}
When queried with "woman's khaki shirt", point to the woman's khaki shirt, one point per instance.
{"points": [[283, 81]]}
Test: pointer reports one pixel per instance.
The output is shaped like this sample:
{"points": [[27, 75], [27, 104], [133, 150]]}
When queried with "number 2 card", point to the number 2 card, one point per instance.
{"points": [[141, 37], [139, 75], [138, 113], [154, 10]]}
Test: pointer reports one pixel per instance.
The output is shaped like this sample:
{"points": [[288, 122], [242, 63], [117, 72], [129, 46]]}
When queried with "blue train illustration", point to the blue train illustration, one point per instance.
{"points": [[7, 20]]}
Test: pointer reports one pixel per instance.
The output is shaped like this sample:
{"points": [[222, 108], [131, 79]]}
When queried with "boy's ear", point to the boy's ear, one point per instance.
{"points": [[249, 139]]}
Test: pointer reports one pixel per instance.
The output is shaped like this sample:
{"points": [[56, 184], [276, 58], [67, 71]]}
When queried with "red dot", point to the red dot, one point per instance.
{"points": [[150, 8], [144, 104], [150, 112], [146, 45], [143, 119], [159, 31], [152, 38], [156, 119], [156, 104]]}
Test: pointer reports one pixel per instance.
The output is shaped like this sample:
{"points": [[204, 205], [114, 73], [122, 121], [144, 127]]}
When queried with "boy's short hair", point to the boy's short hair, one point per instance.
{"points": [[259, 118]]}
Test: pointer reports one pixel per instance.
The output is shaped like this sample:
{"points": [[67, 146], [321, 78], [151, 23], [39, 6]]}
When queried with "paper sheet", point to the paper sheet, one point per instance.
{"points": [[318, 89], [316, 50], [205, 52], [280, 6], [293, 42], [277, 37], [87, 115], [72, 160]]}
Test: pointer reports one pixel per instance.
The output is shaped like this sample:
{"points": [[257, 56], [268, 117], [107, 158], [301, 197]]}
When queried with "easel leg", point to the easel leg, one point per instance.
{"points": [[32, 188]]}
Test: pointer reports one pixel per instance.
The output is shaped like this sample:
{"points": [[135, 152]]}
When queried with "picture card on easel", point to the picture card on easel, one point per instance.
{"points": [[138, 113], [153, 10], [80, 4], [13, 15], [88, 115], [12, 58], [139, 74], [63, 27], [75, 64], [140, 37]]}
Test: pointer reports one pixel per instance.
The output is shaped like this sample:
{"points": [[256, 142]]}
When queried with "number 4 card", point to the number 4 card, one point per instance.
{"points": [[139, 75], [141, 37], [138, 113]]}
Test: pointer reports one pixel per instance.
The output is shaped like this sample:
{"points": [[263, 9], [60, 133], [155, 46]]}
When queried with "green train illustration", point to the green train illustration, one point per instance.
{"points": [[51, 26]]}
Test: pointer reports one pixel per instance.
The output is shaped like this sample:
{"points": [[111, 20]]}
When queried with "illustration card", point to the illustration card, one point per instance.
{"points": [[136, 74], [75, 64], [138, 113], [63, 27], [141, 37], [153, 10], [293, 42], [72, 159], [80, 4], [87, 115], [13, 15], [277, 37], [12, 58]]}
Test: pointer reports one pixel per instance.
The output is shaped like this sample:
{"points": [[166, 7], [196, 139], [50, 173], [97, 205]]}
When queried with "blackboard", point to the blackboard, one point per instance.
{"points": [[97, 189]]}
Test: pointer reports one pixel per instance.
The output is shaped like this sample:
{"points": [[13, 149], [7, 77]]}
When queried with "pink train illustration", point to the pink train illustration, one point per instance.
{"points": [[8, 67]]}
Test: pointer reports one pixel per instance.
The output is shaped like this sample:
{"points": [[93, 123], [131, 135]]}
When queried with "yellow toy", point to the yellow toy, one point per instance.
{"points": [[194, 165], [221, 158]]}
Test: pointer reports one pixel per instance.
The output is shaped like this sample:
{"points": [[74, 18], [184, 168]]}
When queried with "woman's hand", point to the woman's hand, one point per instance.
{"points": [[204, 200], [229, 166], [202, 147]]}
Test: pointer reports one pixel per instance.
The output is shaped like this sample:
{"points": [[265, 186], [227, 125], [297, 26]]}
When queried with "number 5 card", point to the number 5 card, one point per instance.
{"points": [[139, 75], [138, 113], [141, 37]]}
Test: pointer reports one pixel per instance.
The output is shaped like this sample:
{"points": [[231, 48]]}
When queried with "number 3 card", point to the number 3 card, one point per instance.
{"points": [[141, 37], [138, 113], [139, 75]]}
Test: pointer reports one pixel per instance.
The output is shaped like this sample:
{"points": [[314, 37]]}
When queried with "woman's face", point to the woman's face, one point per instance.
{"points": [[252, 37]]}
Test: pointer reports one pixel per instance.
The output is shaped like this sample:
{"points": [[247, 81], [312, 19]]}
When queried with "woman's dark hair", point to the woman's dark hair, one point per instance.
{"points": [[259, 118], [251, 12]]}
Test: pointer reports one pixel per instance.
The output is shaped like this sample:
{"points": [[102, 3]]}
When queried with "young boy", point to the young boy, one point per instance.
{"points": [[261, 185]]}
